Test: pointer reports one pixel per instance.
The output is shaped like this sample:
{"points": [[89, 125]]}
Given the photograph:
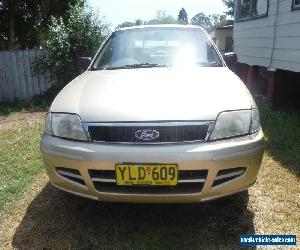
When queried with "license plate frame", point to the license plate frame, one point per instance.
{"points": [[156, 174]]}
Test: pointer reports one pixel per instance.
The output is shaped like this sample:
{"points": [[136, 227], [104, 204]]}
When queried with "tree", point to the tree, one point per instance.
{"points": [[125, 24], [80, 35], [210, 22], [183, 17], [218, 21], [162, 17], [138, 22], [23, 23], [202, 20], [230, 7]]}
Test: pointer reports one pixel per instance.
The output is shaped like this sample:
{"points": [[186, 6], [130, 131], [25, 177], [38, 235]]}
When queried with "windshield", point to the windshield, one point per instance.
{"points": [[157, 47]]}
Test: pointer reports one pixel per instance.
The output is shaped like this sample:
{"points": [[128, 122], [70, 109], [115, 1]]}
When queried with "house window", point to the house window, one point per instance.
{"points": [[296, 5], [248, 9]]}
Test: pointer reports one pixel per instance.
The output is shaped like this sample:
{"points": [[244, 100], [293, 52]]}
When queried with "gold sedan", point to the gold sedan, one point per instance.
{"points": [[156, 117]]}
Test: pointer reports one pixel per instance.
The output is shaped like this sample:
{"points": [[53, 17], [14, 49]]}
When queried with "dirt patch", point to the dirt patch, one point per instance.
{"points": [[14, 120]]}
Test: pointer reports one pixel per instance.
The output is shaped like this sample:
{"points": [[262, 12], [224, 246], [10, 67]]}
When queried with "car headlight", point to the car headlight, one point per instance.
{"points": [[65, 125], [236, 123]]}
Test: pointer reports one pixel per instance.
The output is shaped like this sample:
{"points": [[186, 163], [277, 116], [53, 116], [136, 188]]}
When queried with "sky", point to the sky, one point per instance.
{"points": [[119, 11]]}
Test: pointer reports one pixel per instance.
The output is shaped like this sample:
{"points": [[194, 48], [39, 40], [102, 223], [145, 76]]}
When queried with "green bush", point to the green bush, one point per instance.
{"points": [[80, 35]]}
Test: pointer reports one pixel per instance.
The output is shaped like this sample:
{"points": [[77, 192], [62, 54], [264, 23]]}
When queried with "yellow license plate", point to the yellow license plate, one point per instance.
{"points": [[144, 174]]}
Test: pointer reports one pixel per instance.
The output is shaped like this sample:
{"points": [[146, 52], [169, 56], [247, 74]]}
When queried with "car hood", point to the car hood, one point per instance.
{"points": [[153, 94]]}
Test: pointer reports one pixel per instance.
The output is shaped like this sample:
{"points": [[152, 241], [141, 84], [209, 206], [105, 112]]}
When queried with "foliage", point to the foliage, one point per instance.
{"points": [[230, 7], [218, 21], [23, 23], [80, 35], [210, 22], [183, 17], [39, 103], [201, 20], [137, 22], [162, 17]]}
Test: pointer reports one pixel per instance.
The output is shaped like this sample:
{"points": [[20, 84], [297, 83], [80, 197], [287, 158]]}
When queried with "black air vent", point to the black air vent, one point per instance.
{"points": [[230, 174], [71, 174]]}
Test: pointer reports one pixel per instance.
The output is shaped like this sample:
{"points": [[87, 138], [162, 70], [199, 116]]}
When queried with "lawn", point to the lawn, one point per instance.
{"points": [[21, 125], [20, 158], [282, 134], [34, 215]]}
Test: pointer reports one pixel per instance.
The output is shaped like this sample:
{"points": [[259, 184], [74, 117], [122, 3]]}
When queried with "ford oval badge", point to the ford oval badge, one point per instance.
{"points": [[146, 134]]}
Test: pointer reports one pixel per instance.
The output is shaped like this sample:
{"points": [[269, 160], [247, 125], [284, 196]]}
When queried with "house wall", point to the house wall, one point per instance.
{"points": [[254, 39]]}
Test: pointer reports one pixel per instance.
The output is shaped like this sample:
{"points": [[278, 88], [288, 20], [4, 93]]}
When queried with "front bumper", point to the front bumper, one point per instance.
{"points": [[82, 157]]}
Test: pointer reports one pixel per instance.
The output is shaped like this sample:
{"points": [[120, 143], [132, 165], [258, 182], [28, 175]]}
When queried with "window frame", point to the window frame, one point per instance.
{"points": [[295, 6], [241, 19]]}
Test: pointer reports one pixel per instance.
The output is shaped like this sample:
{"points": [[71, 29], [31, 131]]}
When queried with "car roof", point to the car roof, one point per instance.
{"points": [[161, 26]]}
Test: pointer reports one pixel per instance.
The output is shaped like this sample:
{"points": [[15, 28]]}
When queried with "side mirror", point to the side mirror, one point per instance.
{"points": [[84, 63], [230, 58]]}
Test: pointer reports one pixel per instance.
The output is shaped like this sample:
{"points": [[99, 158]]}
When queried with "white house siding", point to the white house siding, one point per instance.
{"points": [[253, 39]]}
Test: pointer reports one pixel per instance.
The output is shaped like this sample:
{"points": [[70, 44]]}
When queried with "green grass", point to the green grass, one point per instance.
{"points": [[282, 134], [20, 158]]}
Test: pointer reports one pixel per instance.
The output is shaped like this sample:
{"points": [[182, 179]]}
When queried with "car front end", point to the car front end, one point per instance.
{"points": [[206, 170]]}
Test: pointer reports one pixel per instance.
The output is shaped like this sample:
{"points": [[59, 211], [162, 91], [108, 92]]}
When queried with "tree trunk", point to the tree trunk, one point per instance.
{"points": [[11, 34], [11, 24]]}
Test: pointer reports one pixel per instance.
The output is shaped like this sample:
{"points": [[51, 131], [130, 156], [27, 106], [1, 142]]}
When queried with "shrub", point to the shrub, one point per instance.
{"points": [[80, 35]]}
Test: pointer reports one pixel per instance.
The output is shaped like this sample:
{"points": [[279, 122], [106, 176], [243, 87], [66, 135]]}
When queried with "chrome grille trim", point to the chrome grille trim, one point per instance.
{"points": [[137, 124], [210, 125], [103, 180], [191, 180]]}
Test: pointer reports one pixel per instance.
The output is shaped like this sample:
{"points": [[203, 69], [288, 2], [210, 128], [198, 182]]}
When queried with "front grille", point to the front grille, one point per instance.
{"points": [[172, 133], [190, 181]]}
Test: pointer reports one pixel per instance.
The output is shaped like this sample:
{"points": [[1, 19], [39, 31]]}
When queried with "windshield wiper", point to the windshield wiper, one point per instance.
{"points": [[209, 64], [137, 66]]}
